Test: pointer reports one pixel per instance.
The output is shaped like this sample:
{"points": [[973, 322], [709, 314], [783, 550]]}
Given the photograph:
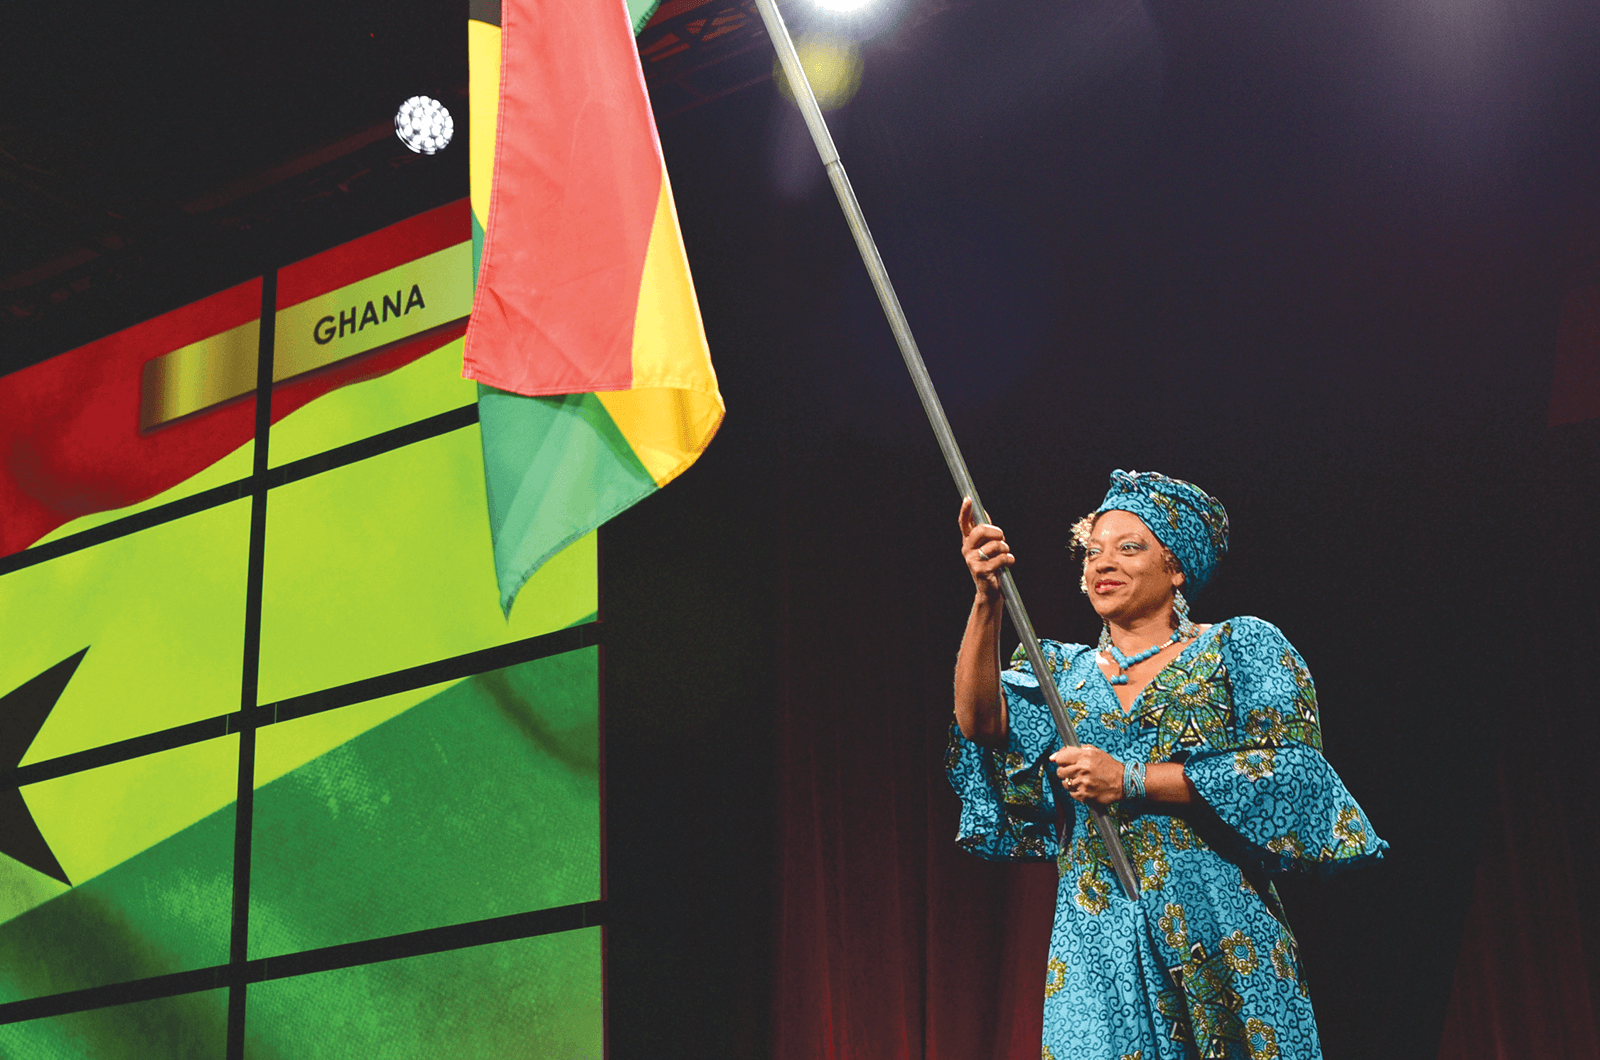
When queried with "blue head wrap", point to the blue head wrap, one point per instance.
{"points": [[1184, 517]]}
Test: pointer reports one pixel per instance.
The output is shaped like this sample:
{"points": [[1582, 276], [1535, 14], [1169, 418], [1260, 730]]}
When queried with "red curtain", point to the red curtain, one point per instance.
{"points": [[1528, 974], [891, 942]]}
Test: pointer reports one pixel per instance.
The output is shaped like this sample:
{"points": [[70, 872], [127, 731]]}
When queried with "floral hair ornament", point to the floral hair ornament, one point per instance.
{"points": [[1185, 518]]}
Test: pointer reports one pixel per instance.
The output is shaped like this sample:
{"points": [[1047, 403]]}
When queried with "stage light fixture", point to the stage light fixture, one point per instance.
{"points": [[424, 125]]}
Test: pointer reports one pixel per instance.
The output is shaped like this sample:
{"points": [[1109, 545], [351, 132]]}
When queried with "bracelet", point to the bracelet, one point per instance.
{"points": [[1133, 780]]}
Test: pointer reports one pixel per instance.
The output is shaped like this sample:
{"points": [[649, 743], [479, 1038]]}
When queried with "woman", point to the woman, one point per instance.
{"points": [[1203, 744]]}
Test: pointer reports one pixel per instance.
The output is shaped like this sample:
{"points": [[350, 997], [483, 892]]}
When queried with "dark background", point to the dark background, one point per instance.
{"points": [[1309, 256]]}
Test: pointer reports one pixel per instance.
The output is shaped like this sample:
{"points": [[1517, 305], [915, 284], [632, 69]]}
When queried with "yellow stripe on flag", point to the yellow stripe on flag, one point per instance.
{"points": [[483, 103], [674, 407]]}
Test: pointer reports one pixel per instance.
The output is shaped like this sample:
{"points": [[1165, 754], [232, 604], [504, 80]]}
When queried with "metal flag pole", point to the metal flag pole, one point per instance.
{"points": [[930, 401]]}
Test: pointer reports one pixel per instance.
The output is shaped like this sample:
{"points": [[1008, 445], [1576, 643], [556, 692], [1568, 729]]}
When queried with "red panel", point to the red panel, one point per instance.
{"points": [[442, 227], [70, 434]]}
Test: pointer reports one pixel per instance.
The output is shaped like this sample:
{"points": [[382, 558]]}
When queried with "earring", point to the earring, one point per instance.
{"points": [[1105, 636], [1180, 607], [1083, 585]]}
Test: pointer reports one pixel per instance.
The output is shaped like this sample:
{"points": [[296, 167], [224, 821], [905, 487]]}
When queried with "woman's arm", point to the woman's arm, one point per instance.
{"points": [[980, 707]]}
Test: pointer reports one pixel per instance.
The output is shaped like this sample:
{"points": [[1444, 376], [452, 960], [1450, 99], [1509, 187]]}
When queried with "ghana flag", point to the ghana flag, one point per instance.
{"points": [[585, 335]]}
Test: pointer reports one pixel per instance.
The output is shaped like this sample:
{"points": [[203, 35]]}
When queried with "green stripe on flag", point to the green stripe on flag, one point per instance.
{"points": [[477, 245], [639, 12], [554, 468]]}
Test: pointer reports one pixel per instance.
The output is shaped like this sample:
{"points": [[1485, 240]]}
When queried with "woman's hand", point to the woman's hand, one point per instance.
{"points": [[1089, 774], [984, 548]]}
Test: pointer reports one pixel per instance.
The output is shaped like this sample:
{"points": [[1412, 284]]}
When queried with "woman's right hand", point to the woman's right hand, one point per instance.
{"points": [[984, 548]]}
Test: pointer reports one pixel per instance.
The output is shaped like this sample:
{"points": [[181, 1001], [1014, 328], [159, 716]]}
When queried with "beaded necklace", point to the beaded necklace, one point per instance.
{"points": [[1185, 629]]}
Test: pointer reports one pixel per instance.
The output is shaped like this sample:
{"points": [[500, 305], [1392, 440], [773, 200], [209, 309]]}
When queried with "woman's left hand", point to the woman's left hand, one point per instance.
{"points": [[1089, 774]]}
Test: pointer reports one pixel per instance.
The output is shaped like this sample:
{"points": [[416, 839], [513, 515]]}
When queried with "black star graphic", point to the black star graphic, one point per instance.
{"points": [[22, 714]]}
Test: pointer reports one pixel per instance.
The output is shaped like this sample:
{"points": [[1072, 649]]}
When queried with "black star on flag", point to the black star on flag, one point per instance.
{"points": [[23, 711]]}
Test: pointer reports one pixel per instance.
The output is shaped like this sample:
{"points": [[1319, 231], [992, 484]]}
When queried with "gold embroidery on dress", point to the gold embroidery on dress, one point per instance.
{"points": [[1286, 960], [1240, 953], [1256, 1030], [1148, 854], [1175, 927], [1057, 977], [1255, 762], [1183, 837], [1349, 830], [1305, 727], [1094, 893], [1288, 843]]}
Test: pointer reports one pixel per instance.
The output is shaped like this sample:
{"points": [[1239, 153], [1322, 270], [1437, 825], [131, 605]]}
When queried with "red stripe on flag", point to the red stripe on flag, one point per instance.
{"points": [[577, 178]]}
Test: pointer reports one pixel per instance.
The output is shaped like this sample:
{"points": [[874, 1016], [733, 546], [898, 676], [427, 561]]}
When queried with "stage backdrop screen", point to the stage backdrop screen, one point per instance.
{"points": [[276, 767]]}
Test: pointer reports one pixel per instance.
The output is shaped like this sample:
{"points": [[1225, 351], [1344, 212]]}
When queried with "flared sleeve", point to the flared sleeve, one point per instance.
{"points": [[1008, 809], [1266, 778]]}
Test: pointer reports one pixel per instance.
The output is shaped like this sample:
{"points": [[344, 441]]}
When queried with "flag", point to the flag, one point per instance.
{"points": [[595, 381]]}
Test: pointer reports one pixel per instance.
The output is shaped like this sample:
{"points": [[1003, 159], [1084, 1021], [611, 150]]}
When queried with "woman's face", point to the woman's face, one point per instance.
{"points": [[1125, 569]]}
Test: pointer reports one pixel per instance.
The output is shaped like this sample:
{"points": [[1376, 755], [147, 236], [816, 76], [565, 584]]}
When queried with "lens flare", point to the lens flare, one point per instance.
{"points": [[832, 66]]}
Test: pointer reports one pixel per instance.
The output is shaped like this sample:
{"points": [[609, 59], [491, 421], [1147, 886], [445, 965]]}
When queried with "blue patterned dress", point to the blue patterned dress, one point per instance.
{"points": [[1203, 964]]}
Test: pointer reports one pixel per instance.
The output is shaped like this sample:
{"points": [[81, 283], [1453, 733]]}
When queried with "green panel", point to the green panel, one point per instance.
{"points": [[385, 564], [481, 801], [533, 998], [426, 387], [162, 614], [97, 819], [186, 1027], [165, 909]]}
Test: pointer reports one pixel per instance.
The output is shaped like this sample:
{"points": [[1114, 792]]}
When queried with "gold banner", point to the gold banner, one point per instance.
{"points": [[360, 317], [199, 375]]}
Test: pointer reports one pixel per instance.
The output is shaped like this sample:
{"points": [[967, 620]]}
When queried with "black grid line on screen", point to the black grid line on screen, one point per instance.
{"points": [[244, 797], [309, 962], [376, 445], [544, 646]]}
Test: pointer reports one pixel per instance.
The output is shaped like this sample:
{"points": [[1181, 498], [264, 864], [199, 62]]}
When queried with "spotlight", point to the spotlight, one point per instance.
{"points": [[842, 7], [833, 66], [424, 125]]}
